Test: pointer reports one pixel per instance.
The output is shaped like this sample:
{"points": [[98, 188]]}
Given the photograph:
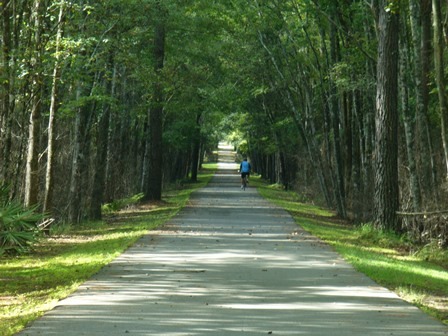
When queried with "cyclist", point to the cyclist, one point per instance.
{"points": [[245, 169]]}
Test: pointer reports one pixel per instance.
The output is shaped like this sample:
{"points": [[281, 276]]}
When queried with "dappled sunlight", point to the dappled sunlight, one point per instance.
{"points": [[226, 160], [406, 271], [352, 291], [232, 264], [336, 306], [145, 209], [230, 166]]}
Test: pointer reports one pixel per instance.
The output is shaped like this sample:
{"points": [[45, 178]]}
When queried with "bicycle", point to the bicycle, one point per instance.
{"points": [[245, 182], [245, 171]]}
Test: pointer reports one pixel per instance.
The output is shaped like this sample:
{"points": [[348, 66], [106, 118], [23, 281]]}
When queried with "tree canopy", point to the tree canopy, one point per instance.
{"points": [[342, 101]]}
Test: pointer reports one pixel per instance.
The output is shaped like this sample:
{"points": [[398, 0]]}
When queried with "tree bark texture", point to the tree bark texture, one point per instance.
{"points": [[155, 178], [386, 200], [428, 163], [196, 149], [439, 66], [49, 175], [408, 120], [334, 107], [102, 145], [79, 163], [32, 163], [5, 114]]}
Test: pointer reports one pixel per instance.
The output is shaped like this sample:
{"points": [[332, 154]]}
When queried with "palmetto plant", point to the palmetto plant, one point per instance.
{"points": [[18, 225]]}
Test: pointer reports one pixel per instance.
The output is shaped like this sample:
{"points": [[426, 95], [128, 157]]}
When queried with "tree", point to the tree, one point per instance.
{"points": [[5, 114], [32, 164], [439, 46], [49, 175], [154, 188], [386, 199], [137, 91]]}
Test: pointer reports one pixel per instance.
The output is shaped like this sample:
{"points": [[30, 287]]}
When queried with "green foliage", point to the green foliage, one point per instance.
{"points": [[343, 76], [60, 228], [393, 7], [4, 194], [121, 203], [18, 226], [434, 253], [382, 238]]}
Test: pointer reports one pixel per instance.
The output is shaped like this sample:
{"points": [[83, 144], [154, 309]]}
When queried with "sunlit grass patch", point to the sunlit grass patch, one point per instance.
{"points": [[432, 252], [288, 200], [39, 280], [121, 203], [210, 166]]}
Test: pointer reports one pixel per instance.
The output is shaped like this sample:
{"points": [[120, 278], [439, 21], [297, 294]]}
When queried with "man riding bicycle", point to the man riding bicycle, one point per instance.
{"points": [[245, 169]]}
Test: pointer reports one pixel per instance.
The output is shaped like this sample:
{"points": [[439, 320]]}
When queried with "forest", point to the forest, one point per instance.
{"points": [[344, 102]]}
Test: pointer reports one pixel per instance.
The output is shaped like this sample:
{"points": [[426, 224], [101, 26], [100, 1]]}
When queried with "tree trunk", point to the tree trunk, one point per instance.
{"points": [[368, 147], [440, 76], [144, 178], [5, 114], [99, 178], [408, 121], [295, 114], [49, 176], [334, 107], [428, 161], [357, 150], [154, 190], [284, 176], [196, 150], [32, 164], [78, 162], [16, 150], [386, 200], [195, 160], [421, 36]]}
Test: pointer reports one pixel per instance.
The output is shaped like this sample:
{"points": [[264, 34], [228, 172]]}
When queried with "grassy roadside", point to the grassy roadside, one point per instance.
{"points": [[418, 275], [33, 284]]}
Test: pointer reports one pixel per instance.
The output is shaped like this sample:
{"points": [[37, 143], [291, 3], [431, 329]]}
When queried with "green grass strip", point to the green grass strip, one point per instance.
{"points": [[417, 274], [32, 284]]}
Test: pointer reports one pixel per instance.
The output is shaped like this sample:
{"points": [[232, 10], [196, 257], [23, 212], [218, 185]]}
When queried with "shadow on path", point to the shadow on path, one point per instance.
{"points": [[232, 264]]}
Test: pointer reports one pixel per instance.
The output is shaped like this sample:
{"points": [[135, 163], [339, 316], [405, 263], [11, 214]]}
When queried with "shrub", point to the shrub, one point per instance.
{"points": [[18, 225], [120, 204], [381, 238]]}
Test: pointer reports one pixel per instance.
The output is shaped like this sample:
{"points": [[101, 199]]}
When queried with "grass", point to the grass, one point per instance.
{"points": [[34, 283], [417, 274]]}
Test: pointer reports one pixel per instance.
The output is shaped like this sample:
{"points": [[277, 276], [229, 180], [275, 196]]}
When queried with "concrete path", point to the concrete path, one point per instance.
{"points": [[232, 264]]}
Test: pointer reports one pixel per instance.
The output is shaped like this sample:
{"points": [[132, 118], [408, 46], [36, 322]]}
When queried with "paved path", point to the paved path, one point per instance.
{"points": [[232, 264]]}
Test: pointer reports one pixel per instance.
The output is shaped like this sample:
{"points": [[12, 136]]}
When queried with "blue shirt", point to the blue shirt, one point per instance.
{"points": [[245, 167]]}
